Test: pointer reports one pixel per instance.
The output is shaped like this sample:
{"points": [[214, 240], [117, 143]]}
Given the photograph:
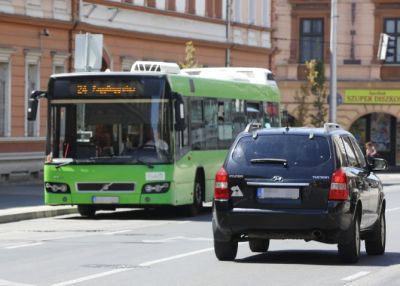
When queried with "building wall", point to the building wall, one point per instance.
{"points": [[358, 69], [44, 32]]}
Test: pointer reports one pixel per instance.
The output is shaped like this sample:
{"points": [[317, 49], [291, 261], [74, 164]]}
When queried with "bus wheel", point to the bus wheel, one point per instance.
{"points": [[196, 206], [86, 210]]}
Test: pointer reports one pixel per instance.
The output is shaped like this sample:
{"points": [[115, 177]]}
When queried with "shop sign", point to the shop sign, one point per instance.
{"points": [[371, 96]]}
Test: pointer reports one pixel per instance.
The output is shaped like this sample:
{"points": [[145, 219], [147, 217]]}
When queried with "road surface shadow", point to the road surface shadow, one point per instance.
{"points": [[167, 213], [319, 257]]}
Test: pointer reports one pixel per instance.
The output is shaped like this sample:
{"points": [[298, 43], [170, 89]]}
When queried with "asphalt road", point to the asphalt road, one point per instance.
{"points": [[21, 194], [162, 248]]}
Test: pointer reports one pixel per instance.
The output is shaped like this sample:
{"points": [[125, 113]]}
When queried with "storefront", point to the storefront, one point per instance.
{"points": [[382, 126]]}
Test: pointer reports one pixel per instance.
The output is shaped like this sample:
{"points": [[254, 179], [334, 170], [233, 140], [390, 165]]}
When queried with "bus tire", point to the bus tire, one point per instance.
{"points": [[195, 208], [87, 210]]}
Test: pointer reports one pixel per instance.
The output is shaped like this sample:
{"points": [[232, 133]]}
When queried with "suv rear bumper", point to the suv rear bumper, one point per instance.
{"points": [[322, 225]]}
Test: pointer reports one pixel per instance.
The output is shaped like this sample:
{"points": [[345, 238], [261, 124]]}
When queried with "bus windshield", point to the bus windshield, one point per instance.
{"points": [[112, 130]]}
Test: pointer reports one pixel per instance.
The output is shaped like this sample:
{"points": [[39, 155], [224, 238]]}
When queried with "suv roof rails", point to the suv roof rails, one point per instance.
{"points": [[252, 126], [331, 126]]}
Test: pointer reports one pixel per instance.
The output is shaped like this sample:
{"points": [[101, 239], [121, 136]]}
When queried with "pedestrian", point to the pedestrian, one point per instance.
{"points": [[370, 151]]}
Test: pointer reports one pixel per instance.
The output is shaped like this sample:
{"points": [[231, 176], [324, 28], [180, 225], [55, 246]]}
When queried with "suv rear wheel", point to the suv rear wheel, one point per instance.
{"points": [[376, 244], [259, 245], [350, 252], [225, 250]]}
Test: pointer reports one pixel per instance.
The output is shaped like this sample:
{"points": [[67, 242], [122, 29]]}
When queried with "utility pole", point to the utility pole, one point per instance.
{"points": [[333, 78], [228, 33]]}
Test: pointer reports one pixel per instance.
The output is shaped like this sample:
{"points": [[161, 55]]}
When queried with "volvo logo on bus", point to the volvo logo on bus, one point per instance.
{"points": [[277, 179]]}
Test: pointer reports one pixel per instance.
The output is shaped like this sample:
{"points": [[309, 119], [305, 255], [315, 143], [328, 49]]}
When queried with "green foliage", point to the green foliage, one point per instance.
{"points": [[319, 91], [312, 92], [190, 58]]}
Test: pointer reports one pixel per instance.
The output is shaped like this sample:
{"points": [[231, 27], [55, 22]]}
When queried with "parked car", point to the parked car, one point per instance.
{"points": [[299, 183]]}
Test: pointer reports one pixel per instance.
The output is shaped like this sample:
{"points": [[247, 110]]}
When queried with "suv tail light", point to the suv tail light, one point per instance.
{"points": [[221, 190], [339, 190]]}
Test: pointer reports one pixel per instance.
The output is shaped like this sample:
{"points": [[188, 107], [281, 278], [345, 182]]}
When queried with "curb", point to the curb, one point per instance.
{"points": [[19, 214]]}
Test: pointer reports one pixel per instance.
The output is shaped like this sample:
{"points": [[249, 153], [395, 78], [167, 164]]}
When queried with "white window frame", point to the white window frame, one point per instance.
{"points": [[5, 57], [238, 12], [127, 62], [252, 12], [266, 13], [59, 60], [32, 57]]}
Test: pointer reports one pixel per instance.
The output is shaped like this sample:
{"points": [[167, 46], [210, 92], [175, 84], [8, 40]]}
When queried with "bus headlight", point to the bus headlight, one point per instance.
{"points": [[56, 188], [156, 188]]}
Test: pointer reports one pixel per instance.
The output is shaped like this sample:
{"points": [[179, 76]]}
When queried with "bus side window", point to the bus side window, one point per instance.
{"points": [[197, 123]]}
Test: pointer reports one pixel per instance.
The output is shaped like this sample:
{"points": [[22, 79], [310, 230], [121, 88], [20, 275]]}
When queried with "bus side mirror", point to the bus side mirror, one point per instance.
{"points": [[179, 113], [33, 103]]}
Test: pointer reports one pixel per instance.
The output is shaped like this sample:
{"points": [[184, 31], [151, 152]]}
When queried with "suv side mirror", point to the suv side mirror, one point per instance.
{"points": [[33, 103], [179, 112], [379, 164]]}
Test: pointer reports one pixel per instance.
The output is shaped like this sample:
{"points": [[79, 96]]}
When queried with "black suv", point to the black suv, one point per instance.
{"points": [[299, 183]]}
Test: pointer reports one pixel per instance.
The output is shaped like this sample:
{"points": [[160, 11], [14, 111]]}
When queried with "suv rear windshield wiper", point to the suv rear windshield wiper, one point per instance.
{"points": [[284, 162]]}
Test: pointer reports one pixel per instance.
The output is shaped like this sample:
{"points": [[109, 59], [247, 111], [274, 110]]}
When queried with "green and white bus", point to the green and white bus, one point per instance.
{"points": [[151, 137]]}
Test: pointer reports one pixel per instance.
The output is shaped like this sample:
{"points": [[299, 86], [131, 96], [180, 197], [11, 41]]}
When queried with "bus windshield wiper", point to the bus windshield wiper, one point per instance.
{"points": [[144, 163], [60, 163], [284, 162]]}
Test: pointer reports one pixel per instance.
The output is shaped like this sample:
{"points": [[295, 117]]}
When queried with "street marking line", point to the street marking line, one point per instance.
{"points": [[90, 277], [117, 232], [392, 209], [175, 257], [355, 276], [111, 272], [23, 245]]}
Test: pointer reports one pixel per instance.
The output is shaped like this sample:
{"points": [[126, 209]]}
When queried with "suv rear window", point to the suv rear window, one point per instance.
{"points": [[297, 150]]}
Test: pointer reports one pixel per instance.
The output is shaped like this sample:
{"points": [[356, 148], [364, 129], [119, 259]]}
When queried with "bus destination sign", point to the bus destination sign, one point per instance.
{"points": [[109, 89]]}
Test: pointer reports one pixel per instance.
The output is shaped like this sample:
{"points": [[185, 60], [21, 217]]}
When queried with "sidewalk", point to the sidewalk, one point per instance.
{"points": [[41, 211], [34, 212]]}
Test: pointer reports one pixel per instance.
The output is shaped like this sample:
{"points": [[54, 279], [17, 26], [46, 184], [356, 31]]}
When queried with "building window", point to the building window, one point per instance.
{"points": [[191, 7], [214, 8], [151, 3], [5, 91], [252, 12], [59, 60], [266, 13], [32, 77], [4, 98], [238, 12], [171, 5], [311, 39], [392, 28]]}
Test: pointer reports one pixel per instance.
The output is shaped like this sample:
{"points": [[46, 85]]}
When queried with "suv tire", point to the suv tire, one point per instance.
{"points": [[350, 252], [375, 245], [259, 245], [225, 250]]}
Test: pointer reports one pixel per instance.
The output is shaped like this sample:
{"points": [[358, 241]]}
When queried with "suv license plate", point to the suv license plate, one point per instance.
{"points": [[278, 193], [105, 200]]}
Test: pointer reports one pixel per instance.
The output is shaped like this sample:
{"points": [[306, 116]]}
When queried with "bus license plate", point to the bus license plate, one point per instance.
{"points": [[278, 193], [105, 200]]}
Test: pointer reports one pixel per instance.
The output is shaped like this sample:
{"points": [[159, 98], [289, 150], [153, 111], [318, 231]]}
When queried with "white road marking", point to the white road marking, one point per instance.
{"points": [[392, 209], [177, 238], [117, 232], [10, 283], [355, 276], [90, 277], [23, 245], [112, 272], [175, 257]]}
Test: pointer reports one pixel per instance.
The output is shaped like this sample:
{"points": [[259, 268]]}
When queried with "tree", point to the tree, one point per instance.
{"points": [[317, 80], [314, 92], [190, 59]]}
